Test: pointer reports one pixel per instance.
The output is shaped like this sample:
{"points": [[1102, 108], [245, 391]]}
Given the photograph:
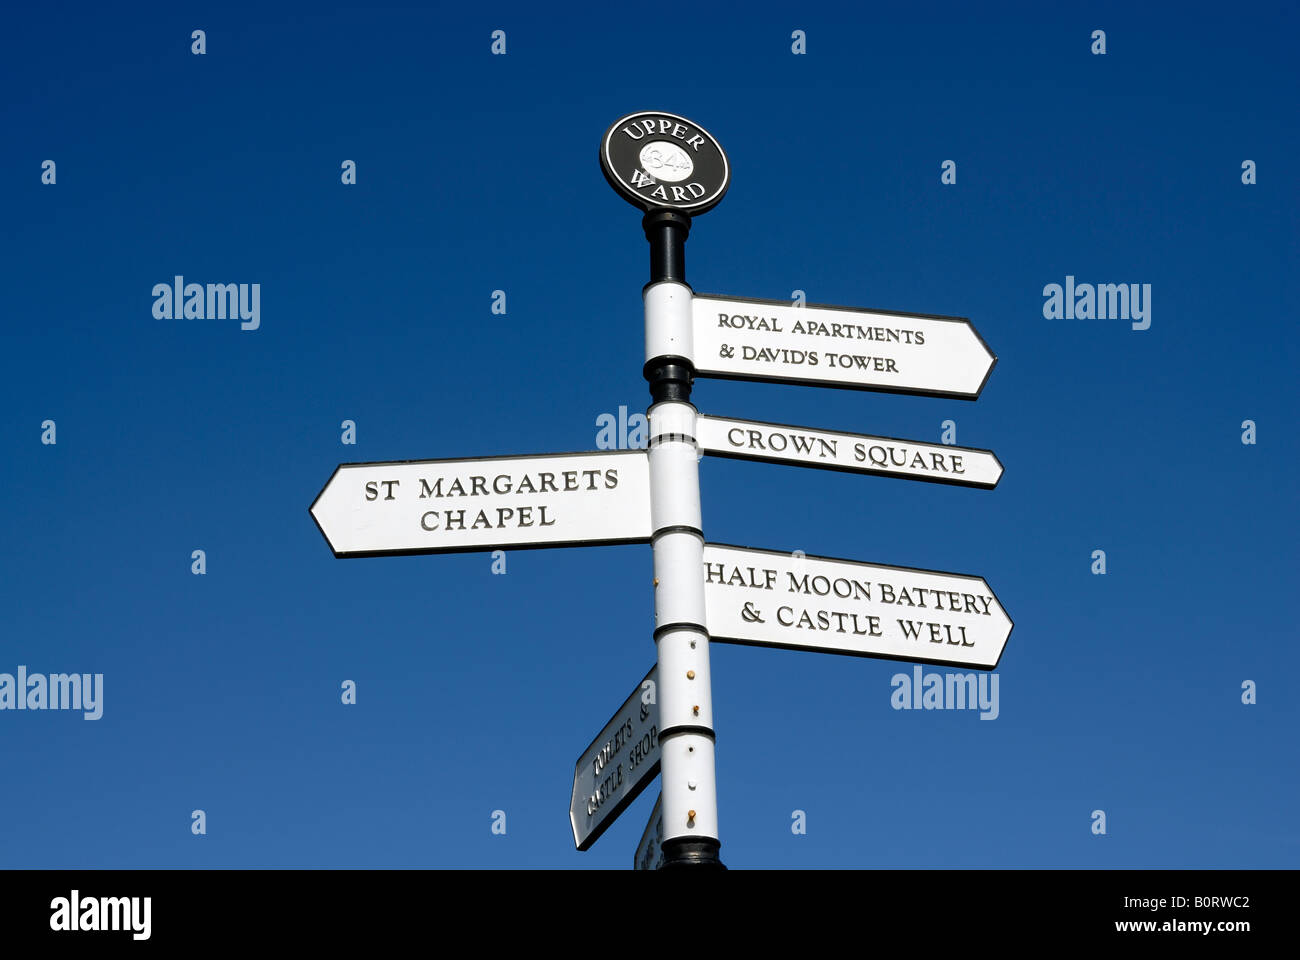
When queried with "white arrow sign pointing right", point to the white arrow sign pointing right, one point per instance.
{"points": [[775, 599], [743, 339], [851, 452]]}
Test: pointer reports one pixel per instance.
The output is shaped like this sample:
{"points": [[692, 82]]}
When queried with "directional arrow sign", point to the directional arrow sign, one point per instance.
{"points": [[852, 452], [650, 852], [449, 506], [798, 602], [741, 339], [618, 765]]}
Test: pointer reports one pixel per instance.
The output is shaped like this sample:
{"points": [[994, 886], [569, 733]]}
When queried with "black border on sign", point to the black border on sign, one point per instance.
{"points": [[729, 455], [617, 810], [625, 190], [485, 548], [868, 656], [802, 381]]}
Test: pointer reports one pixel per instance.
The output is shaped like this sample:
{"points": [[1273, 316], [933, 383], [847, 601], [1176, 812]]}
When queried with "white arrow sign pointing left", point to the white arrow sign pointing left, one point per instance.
{"points": [[649, 852], [449, 506], [618, 765]]}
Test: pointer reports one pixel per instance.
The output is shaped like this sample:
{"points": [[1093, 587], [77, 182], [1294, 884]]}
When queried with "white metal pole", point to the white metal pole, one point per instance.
{"points": [[685, 696]]}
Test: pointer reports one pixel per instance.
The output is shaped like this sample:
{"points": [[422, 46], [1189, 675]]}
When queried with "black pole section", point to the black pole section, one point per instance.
{"points": [[671, 378], [667, 232]]}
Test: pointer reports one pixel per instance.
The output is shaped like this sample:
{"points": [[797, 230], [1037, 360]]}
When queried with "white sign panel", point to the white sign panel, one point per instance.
{"points": [[772, 340], [447, 506], [618, 765], [799, 602], [649, 852], [853, 452]]}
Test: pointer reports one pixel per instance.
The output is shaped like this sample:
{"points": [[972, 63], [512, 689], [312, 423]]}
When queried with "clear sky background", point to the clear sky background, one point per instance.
{"points": [[476, 692]]}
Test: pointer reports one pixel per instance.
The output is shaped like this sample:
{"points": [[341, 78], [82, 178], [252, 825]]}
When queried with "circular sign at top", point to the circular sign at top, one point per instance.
{"points": [[660, 161]]}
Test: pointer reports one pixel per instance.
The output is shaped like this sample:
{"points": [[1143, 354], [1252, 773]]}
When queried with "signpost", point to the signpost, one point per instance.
{"points": [[649, 852], [693, 173], [851, 452], [798, 602], [618, 765], [448, 506], [673, 169], [773, 340]]}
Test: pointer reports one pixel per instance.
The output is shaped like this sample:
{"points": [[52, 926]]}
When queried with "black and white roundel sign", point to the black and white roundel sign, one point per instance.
{"points": [[660, 161]]}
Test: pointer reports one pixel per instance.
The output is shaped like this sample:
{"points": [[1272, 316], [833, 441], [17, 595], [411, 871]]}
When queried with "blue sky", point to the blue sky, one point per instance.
{"points": [[475, 172]]}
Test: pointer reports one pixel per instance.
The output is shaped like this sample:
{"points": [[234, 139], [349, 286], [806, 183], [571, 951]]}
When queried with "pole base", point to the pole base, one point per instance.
{"points": [[692, 852]]}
